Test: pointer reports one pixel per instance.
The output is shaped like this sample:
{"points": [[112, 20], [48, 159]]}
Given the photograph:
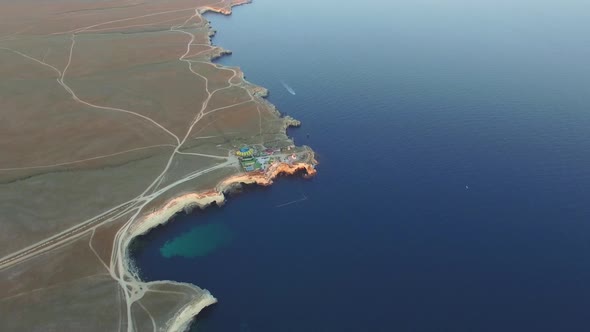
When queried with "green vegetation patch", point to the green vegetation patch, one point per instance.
{"points": [[198, 242]]}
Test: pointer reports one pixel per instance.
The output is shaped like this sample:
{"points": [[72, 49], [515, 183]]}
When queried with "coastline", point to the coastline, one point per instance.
{"points": [[182, 319], [161, 215], [218, 196], [215, 196]]}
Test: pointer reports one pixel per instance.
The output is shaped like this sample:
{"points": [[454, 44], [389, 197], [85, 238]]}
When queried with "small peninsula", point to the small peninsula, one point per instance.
{"points": [[118, 119]]}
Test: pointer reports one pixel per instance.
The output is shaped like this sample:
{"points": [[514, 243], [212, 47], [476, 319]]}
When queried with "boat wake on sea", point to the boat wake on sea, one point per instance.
{"points": [[288, 88], [304, 198]]}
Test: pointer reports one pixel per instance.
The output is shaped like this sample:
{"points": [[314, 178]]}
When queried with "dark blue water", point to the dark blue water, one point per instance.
{"points": [[407, 104]]}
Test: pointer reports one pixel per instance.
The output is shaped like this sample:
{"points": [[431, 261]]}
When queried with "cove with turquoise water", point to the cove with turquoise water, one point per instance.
{"points": [[454, 181]]}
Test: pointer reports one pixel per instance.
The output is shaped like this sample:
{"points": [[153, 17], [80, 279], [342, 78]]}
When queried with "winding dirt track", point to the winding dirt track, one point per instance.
{"points": [[180, 21], [118, 270]]}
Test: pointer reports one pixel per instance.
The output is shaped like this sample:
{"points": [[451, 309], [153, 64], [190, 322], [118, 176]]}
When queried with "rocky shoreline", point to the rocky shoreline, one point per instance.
{"points": [[216, 196], [185, 202]]}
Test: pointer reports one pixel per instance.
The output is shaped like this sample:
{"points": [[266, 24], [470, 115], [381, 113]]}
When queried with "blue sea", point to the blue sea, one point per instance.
{"points": [[453, 191]]}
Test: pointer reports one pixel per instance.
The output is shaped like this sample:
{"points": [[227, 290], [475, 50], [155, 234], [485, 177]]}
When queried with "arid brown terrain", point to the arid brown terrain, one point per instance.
{"points": [[113, 118]]}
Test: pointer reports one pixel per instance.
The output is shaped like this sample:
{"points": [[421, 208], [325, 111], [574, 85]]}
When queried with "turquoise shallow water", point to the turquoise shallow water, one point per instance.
{"points": [[199, 241], [454, 182]]}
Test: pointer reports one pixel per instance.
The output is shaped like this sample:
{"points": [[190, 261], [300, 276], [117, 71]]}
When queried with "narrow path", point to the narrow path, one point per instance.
{"points": [[85, 160], [131, 287]]}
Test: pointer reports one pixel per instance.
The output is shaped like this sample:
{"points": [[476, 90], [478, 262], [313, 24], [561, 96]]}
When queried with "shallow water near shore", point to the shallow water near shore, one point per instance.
{"points": [[454, 179]]}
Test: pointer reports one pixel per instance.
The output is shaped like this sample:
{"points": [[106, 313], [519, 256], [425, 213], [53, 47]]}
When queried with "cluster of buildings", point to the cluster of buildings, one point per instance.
{"points": [[254, 160]]}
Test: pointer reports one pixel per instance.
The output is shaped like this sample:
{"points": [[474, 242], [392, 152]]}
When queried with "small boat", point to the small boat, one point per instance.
{"points": [[288, 88]]}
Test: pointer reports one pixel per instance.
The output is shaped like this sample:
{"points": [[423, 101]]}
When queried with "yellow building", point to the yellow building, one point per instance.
{"points": [[245, 152]]}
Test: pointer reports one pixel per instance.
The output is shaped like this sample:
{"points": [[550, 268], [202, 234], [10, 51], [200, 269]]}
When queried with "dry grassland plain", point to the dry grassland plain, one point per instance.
{"points": [[113, 118]]}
